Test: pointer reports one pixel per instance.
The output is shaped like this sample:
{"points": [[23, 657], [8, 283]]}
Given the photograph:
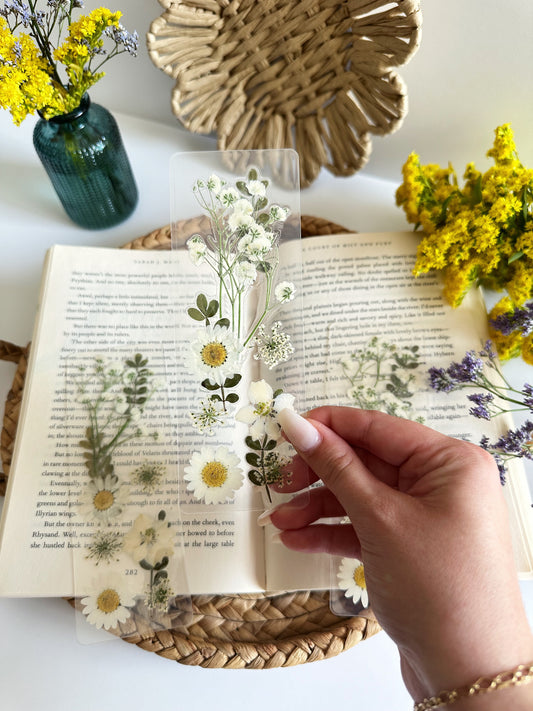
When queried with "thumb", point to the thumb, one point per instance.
{"points": [[334, 461]]}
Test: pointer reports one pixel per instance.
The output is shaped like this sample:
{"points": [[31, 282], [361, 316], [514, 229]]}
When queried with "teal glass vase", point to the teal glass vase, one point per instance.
{"points": [[84, 157]]}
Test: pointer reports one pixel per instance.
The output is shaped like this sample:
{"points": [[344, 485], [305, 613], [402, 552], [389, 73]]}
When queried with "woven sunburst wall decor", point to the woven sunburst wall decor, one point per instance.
{"points": [[315, 75]]}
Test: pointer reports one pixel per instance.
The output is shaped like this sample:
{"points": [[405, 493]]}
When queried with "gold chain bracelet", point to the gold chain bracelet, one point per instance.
{"points": [[522, 674]]}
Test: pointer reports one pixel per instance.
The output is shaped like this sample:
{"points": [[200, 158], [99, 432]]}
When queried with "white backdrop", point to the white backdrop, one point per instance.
{"points": [[472, 72]]}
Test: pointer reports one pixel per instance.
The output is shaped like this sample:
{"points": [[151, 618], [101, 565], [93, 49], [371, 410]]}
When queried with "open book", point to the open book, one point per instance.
{"points": [[358, 290]]}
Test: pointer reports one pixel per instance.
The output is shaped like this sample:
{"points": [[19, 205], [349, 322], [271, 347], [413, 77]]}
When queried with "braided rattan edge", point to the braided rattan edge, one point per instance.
{"points": [[226, 631]]}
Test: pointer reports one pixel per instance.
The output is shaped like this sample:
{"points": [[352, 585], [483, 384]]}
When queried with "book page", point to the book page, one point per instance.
{"points": [[108, 302], [359, 287]]}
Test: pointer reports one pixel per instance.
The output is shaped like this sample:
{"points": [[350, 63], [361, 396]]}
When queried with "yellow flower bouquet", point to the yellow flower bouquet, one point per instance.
{"points": [[480, 233], [40, 71]]}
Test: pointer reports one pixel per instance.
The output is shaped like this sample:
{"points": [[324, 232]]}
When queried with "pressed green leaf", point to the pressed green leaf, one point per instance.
{"points": [[145, 565], [253, 443], [162, 564], [223, 323], [201, 302], [212, 308], [195, 314], [270, 445], [161, 575], [262, 218], [253, 459], [252, 174], [241, 187], [232, 397], [233, 380], [255, 477], [261, 203], [208, 385]]}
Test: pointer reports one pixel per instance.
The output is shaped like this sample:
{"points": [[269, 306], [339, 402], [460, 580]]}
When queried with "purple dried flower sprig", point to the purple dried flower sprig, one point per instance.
{"points": [[520, 319], [480, 370]]}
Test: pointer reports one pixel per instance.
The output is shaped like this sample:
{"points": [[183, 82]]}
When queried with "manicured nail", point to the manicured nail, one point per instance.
{"points": [[298, 430], [265, 518]]}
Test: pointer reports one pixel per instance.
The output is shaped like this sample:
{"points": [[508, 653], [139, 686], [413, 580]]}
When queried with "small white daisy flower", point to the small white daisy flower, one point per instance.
{"points": [[213, 475], [108, 601], [262, 413], [149, 539], [256, 188], [284, 292], [104, 499], [351, 577], [215, 353]]}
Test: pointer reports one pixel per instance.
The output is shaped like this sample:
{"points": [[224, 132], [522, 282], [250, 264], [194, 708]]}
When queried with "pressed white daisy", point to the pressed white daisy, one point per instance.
{"points": [[351, 577], [104, 499], [284, 291], [256, 188], [213, 475], [149, 539], [107, 603], [262, 412], [215, 353]]}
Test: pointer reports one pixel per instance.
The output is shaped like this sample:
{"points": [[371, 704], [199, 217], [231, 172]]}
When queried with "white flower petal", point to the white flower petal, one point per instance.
{"points": [[260, 391]]}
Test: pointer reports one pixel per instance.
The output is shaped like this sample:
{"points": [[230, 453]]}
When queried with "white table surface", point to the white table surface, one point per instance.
{"points": [[42, 665]]}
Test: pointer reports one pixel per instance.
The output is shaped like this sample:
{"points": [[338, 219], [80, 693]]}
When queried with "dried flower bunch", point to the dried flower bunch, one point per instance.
{"points": [[481, 233], [48, 61]]}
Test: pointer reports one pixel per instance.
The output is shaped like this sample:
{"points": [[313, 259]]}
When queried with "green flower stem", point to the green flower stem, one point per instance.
{"points": [[270, 280]]}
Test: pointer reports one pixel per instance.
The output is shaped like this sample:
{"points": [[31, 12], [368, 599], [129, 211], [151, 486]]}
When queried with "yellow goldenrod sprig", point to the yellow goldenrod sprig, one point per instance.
{"points": [[480, 233]]}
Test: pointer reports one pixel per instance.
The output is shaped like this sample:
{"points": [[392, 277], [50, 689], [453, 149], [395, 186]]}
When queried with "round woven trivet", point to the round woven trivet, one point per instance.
{"points": [[229, 631], [318, 77]]}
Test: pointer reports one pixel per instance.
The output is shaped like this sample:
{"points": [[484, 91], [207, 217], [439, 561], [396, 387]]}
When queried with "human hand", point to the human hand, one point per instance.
{"points": [[429, 521]]}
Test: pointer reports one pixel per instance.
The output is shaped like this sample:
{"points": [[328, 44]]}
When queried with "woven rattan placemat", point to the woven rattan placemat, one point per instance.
{"points": [[224, 631]]}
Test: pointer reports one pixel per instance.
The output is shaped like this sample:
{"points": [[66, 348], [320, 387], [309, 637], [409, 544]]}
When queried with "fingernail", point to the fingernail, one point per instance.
{"points": [[276, 537], [265, 518], [298, 430]]}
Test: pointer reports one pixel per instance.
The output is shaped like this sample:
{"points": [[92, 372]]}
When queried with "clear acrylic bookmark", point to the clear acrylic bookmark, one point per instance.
{"points": [[124, 527], [382, 372], [238, 325]]}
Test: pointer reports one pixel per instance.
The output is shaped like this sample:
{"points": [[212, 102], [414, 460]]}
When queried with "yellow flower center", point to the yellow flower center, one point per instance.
{"points": [[103, 500], [214, 354], [108, 601], [214, 474], [359, 577]]}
